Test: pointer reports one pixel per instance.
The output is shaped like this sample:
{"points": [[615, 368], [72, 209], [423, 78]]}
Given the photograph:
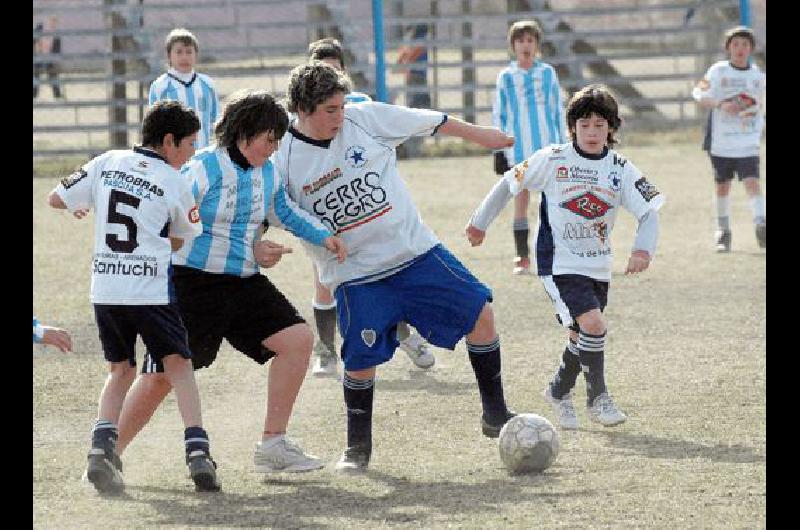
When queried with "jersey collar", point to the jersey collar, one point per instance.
{"points": [[238, 158], [148, 152], [181, 81], [300, 136], [590, 156]]}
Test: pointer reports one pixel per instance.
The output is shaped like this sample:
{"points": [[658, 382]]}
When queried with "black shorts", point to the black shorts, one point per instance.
{"points": [[160, 327], [725, 167], [243, 311], [574, 295]]}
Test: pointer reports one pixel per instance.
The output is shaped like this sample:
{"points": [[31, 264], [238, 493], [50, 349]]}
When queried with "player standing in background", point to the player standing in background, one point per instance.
{"points": [[145, 210], [51, 336], [341, 166], [734, 90], [220, 291], [528, 106], [182, 83], [330, 51], [583, 184]]}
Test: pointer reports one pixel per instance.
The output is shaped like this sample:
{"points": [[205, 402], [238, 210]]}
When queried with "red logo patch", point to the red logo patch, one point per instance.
{"points": [[194, 215], [562, 173], [587, 205]]}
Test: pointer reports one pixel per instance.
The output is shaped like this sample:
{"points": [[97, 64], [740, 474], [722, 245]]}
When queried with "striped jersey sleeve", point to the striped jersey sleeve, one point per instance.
{"points": [[38, 330]]}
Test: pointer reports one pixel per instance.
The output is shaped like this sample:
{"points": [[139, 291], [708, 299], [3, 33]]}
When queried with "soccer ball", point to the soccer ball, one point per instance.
{"points": [[528, 444]]}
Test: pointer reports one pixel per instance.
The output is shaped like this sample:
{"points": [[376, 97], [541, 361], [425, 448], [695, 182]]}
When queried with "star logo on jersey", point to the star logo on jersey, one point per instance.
{"points": [[614, 181], [355, 156], [368, 336], [587, 205]]}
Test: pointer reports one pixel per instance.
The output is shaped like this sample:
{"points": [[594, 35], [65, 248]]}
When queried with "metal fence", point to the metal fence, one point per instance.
{"points": [[650, 52]]}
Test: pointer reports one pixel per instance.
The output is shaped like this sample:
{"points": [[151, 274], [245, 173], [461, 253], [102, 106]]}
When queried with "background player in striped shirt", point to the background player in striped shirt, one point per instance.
{"points": [[182, 83], [220, 291], [734, 90], [528, 106], [330, 51], [144, 211]]}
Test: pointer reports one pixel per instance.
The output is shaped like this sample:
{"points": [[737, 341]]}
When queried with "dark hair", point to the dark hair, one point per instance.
{"points": [[594, 99], [168, 116], [311, 84], [327, 48], [182, 35], [247, 114], [740, 31], [521, 27]]}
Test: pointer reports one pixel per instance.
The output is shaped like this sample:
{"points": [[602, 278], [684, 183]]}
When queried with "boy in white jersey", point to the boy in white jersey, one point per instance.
{"points": [[339, 162], [734, 90], [528, 106], [144, 211], [330, 52], [583, 184], [182, 83], [220, 291]]}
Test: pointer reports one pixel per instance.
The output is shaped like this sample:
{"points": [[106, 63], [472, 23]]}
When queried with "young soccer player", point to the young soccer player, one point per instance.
{"points": [[527, 105], [583, 184], [51, 336], [219, 288], [330, 51], [145, 210], [734, 90], [339, 162], [182, 83]]}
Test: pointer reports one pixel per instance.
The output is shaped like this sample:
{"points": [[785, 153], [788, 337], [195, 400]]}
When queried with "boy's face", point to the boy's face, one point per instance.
{"points": [[327, 118], [259, 148], [178, 154], [182, 57], [739, 50], [591, 133], [525, 48]]}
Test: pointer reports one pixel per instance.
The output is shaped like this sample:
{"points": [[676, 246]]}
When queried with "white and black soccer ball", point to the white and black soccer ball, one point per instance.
{"points": [[528, 444]]}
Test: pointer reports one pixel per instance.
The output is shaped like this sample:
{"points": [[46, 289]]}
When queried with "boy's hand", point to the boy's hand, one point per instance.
{"points": [[475, 235], [268, 254], [57, 337], [638, 262], [336, 245], [80, 214], [494, 138]]}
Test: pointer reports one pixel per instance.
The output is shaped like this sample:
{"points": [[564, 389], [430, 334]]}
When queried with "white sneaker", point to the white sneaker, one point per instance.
{"points": [[417, 350], [605, 412], [563, 409], [324, 362], [282, 454]]}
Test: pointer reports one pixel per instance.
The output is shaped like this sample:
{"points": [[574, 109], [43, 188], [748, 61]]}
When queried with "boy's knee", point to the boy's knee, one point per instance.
{"points": [[593, 324]]}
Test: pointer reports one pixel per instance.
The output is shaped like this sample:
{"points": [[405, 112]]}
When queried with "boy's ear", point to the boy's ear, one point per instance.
{"points": [[168, 140]]}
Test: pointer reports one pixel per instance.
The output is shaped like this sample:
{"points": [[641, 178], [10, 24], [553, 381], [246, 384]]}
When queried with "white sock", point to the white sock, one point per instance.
{"points": [[723, 212], [759, 208]]}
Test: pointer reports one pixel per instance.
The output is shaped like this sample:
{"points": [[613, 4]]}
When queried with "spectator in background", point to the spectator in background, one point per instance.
{"points": [[46, 45]]}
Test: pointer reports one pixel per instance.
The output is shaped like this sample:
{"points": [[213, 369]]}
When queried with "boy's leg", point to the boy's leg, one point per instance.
{"points": [[522, 261], [144, 397], [557, 392], [359, 391], [723, 175], [759, 209], [325, 319]]}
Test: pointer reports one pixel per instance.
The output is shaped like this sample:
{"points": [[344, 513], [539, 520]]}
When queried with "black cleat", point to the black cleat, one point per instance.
{"points": [[203, 470], [491, 429], [723, 240], [354, 459], [104, 472]]}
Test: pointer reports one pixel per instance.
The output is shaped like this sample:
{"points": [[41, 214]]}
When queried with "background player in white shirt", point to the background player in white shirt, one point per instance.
{"points": [[528, 106], [330, 52], [144, 210], [734, 90], [340, 164], [583, 184], [182, 83]]}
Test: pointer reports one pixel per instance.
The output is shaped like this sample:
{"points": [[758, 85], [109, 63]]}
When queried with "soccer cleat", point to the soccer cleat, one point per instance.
{"points": [[761, 234], [723, 240], [104, 472], [562, 408], [521, 266], [417, 350], [283, 455], [324, 361], [354, 460], [203, 471], [604, 411], [491, 429]]}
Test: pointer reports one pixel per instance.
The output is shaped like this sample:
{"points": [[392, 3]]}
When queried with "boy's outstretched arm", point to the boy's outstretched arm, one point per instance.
{"points": [[490, 207], [645, 244], [489, 137]]}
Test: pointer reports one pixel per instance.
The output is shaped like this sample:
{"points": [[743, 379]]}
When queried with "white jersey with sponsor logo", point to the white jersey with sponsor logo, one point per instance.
{"points": [[581, 196], [740, 135], [139, 200], [351, 184]]}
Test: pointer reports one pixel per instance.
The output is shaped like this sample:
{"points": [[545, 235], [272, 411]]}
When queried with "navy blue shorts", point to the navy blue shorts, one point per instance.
{"points": [[573, 295], [725, 167], [160, 327], [435, 293]]}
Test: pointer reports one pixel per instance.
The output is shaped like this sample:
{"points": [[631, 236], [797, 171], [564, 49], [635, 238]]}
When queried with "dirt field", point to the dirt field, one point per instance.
{"points": [[685, 359]]}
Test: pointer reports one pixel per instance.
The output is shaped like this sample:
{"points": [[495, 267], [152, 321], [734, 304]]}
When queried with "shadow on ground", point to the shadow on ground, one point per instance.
{"points": [[657, 447]]}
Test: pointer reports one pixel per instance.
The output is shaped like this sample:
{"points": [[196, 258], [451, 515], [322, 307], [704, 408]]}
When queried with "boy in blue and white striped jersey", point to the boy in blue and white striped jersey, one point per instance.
{"points": [[527, 105], [51, 336], [182, 83]]}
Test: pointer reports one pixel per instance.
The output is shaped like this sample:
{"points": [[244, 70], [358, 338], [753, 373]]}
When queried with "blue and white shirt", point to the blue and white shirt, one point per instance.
{"points": [[38, 330], [528, 105], [197, 92], [236, 206]]}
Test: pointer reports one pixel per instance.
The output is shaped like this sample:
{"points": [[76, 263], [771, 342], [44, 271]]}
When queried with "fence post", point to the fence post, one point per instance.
{"points": [[380, 59], [118, 113], [468, 72], [744, 12]]}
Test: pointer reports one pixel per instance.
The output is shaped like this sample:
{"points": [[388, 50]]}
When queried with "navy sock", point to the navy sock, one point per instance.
{"points": [[325, 318], [104, 436], [568, 371], [196, 439], [521, 239], [358, 395], [591, 353], [485, 360]]}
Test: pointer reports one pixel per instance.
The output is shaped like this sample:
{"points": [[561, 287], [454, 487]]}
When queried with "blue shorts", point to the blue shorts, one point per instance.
{"points": [[725, 167], [435, 293], [573, 295]]}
